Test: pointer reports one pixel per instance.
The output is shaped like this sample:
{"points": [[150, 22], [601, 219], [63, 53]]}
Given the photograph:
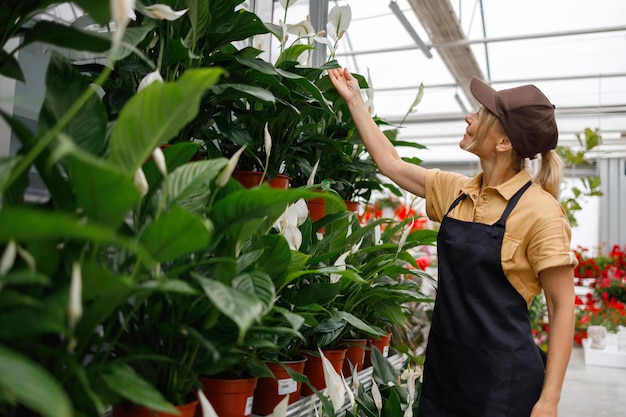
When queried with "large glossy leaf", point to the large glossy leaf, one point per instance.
{"points": [[124, 381], [31, 385], [252, 91], [258, 284], [239, 306], [24, 225], [255, 203], [276, 258], [106, 194], [190, 182], [226, 26], [67, 37], [64, 85], [176, 232], [155, 115]]}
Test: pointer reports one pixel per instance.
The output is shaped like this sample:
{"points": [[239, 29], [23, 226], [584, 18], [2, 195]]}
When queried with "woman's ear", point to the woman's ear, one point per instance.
{"points": [[504, 144]]}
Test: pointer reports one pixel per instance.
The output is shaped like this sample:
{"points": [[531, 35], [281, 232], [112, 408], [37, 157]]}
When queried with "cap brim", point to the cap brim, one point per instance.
{"points": [[484, 94]]}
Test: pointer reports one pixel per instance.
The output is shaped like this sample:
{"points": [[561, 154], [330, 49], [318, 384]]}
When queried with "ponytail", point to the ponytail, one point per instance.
{"points": [[550, 173]]}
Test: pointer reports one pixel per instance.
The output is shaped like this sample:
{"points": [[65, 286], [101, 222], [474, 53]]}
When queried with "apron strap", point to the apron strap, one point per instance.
{"points": [[512, 203], [455, 203], [507, 210]]}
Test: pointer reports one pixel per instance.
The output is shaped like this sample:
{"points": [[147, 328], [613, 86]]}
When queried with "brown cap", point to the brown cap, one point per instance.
{"points": [[525, 113]]}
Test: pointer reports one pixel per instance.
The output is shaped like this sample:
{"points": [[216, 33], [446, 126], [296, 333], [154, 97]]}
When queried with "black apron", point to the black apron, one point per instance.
{"points": [[481, 359]]}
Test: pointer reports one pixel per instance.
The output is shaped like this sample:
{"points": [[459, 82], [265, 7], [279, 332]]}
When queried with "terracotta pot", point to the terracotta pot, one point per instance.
{"points": [[251, 179], [381, 343], [314, 370], [186, 410], [355, 355], [352, 205], [230, 397], [270, 391], [317, 208]]}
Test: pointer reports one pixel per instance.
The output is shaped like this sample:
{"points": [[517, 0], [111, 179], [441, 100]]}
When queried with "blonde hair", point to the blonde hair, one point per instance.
{"points": [[550, 173]]}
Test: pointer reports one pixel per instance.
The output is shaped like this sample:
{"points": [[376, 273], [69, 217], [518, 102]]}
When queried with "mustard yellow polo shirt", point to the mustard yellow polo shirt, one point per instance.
{"points": [[537, 234]]}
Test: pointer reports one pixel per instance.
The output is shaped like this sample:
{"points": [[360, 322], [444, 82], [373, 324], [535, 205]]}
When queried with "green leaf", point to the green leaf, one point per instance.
{"points": [[255, 203], [26, 225], [123, 380], [156, 114], [10, 67], [252, 91], [69, 37], [257, 284], [384, 372], [32, 385], [106, 194], [44, 316], [97, 10], [190, 182], [175, 233], [64, 85], [242, 308]]}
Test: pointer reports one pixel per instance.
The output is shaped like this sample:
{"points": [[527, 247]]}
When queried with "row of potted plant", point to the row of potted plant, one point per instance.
{"points": [[147, 265]]}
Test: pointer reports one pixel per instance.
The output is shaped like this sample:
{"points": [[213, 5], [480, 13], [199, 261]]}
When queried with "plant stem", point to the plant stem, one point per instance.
{"points": [[28, 159]]}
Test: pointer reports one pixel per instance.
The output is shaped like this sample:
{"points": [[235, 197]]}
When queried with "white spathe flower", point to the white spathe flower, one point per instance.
{"points": [[140, 182], [293, 236], [303, 29], [349, 391], [159, 160], [325, 41], [28, 259], [302, 211], [154, 76], [335, 388], [163, 12], [267, 139], [340, 264], [75, 305], [205, 405], [286, 3], [8, 258], [121, 12], [287, 224], [311, 179], [284, 31], [378, 399], [339, 19], [377, 235], [224, 176], [410, 376]]}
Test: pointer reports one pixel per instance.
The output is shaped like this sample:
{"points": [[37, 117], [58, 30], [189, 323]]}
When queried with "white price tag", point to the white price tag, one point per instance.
{"points": [[287, 386], [386, 351], [249, 402]]}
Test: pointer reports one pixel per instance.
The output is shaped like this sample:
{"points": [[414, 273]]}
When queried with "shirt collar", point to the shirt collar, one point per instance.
{"points": [[506, 190]]}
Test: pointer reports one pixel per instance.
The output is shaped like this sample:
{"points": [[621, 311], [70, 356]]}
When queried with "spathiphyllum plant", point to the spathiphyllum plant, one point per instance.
{"points": [[115, 287]]}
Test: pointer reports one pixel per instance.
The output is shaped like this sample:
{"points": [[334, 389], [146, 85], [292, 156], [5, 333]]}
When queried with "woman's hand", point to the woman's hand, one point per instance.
{"points": [[345, 83]]}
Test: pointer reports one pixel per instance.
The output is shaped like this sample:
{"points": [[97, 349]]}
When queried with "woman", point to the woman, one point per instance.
{"points": [[503, 239]]}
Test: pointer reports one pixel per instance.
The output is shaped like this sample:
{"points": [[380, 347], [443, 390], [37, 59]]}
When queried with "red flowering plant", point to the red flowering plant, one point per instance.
{"points": [[605, 276], [395, 210], [604, 311]]}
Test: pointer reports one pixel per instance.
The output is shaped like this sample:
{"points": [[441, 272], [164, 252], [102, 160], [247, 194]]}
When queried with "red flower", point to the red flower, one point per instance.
{"points": [[423, 262]]}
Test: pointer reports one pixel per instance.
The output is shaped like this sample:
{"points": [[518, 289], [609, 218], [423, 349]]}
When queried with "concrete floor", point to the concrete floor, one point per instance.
{"points": [[592, 391]]}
